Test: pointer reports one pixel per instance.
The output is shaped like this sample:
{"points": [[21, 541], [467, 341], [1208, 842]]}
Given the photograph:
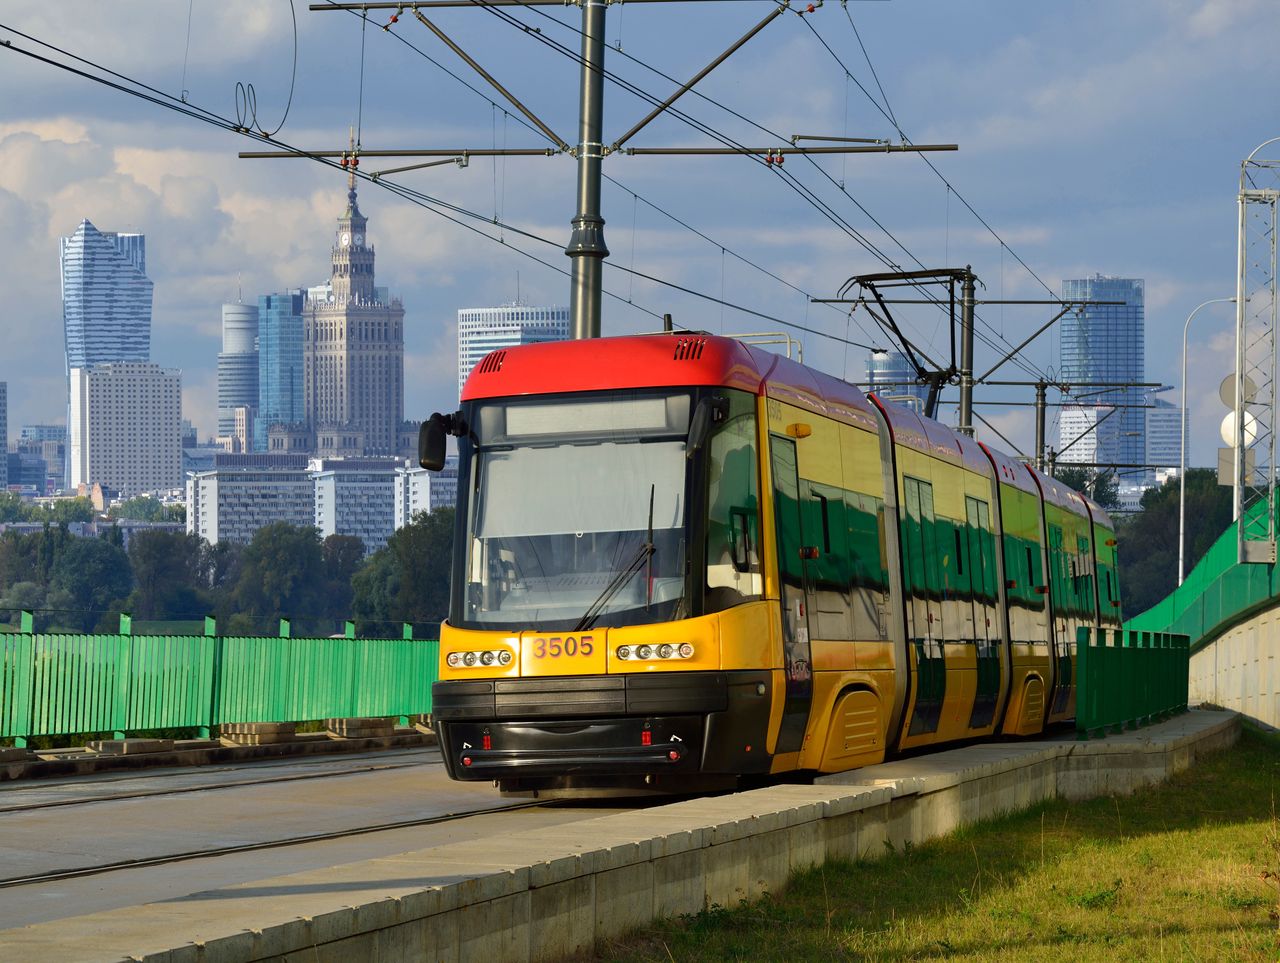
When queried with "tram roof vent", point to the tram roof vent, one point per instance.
{"points": [[491, 363], [689, 349]]}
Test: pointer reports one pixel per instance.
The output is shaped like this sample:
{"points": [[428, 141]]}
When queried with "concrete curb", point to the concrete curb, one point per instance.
{"points": [[204, 753], [553, 893]]}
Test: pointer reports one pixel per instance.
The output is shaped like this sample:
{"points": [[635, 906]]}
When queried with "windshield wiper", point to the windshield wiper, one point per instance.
{"points": [[621, 578]]}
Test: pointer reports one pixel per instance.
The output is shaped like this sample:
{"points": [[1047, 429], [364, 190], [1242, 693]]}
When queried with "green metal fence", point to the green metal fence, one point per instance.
{"points": [[1128, 679], [54, 684], [1218, 592]]}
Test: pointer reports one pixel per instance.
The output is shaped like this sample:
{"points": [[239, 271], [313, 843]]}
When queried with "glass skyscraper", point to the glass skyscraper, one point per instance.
{"points": [[106, 297], [237, 364], [890, 375], [1104, 343], [280, 371]]}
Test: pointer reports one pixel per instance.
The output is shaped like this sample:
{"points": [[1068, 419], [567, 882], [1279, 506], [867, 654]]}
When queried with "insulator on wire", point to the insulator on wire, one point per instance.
{"points": [[779, 158]]}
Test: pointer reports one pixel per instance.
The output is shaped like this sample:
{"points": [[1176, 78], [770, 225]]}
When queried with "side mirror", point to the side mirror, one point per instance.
{"points": [[709, 411], [431, 441]]}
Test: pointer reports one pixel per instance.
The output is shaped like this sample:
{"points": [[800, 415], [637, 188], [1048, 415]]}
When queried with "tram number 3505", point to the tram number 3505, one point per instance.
{"points": [[555, 647]]}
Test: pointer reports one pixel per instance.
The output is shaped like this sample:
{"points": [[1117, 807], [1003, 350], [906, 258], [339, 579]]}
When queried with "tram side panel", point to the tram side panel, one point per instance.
{"points": [[828, 505]]}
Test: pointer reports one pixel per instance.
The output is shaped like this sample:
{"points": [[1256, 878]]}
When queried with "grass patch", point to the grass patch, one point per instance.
{"points": [[1188, 870]]}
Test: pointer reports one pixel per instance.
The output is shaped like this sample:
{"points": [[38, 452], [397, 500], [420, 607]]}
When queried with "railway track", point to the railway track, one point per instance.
{"points": [[153, 861], [251, 779]]}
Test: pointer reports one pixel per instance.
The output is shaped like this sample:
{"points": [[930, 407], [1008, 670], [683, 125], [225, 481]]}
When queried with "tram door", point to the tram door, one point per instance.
{"points": [[795, 572]]}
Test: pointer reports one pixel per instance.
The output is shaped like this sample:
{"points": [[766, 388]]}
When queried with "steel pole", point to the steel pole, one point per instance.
{"points": [[586, 245], [1182, 445], [965, 427], [1041, 388]]}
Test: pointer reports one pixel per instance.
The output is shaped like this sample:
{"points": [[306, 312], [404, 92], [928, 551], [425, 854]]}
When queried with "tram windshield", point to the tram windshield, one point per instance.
{"points": [[576, 515]]}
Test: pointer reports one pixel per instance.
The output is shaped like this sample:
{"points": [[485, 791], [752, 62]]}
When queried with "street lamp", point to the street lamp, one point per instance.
{"points": [[1182, 441]]}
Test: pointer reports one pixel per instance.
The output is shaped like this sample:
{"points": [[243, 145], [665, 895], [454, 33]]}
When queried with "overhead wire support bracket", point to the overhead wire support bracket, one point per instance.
{"points": [[685, 88], [493, 82], [449, 152], [859, 149]]}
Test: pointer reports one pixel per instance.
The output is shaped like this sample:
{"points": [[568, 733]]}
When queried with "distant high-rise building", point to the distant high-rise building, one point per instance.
{"points": [[4, 432], [106, 297], [237, 363], [106, 300], [890, 375], [243, 493], [280, 369], [1164, 438], [355, 496], [481, 330], [1105, 343], [126, 427], [48, 442], [419, 490], [354, 345]]}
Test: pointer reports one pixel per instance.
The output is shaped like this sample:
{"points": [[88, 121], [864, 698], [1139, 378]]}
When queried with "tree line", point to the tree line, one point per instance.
{"points": [[80, 584]]}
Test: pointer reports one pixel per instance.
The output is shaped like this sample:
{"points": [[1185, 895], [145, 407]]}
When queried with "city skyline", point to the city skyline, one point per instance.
{"points": [[1073, 147]]}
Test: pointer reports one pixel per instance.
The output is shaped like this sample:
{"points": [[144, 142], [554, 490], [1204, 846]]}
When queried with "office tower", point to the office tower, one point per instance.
{"points": [[106, 297], [1164, 438], [237, 363], [1105, 343], [356, 496], [891, 376], [481, 330], [4, 432], [243, 493], [126, 427], [354, 346], [280, 368], [419, 490], [49, 442]]}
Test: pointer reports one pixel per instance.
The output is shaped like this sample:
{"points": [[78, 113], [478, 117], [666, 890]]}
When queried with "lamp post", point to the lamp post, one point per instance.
{"points": [[1182, 442]]}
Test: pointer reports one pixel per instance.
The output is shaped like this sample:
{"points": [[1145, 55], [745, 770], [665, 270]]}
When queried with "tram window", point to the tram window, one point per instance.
{"points": [[959, 551], [733, 526]]}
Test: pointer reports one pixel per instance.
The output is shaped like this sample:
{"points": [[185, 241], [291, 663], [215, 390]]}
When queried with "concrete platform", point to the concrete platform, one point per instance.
{"points": [[551, 893]]}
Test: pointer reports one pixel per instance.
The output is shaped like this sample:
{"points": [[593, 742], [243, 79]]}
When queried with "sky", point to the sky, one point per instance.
{"points": [[1093, 137]]}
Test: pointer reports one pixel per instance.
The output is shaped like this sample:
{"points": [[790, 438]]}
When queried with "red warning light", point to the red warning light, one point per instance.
{"points": [[466, 760], [673, 755], [646, 738], [487, 742]]}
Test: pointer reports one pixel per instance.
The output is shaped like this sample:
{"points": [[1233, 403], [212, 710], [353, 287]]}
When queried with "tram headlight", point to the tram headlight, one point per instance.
{"points": [[624, 652], [686, 650], [665, 650], [644, 651], [482, 658]]}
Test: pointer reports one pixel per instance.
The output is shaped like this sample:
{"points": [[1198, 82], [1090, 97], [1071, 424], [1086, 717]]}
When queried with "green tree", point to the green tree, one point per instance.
{"points": [[408, 581], [91, 574], [374, 590], [1148, 540], [13, 508], [282, 575], [65, 510], [19, 596], [169, 576], [343, 555], [1101, 485], [143, 508]]}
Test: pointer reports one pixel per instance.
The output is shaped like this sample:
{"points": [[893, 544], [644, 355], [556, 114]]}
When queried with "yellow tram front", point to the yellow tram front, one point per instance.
{"points": [[608, 625]]}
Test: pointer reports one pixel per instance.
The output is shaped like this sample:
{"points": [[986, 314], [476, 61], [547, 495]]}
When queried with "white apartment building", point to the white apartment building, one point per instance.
{"points": [[419, 490], [356, 496], [481, 330], [244, 493], [126, 427]]}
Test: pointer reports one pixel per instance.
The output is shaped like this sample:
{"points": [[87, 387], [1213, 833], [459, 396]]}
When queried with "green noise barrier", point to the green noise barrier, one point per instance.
{"points": [[58, 684], [1217, 593], [1128, 679]]}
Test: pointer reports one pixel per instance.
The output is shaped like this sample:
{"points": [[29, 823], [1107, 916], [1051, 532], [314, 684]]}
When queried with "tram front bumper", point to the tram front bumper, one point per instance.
{"points": [[608, 725]]}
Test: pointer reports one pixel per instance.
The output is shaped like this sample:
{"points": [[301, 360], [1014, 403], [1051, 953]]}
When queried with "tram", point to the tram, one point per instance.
{"points": [[681, 560]]}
